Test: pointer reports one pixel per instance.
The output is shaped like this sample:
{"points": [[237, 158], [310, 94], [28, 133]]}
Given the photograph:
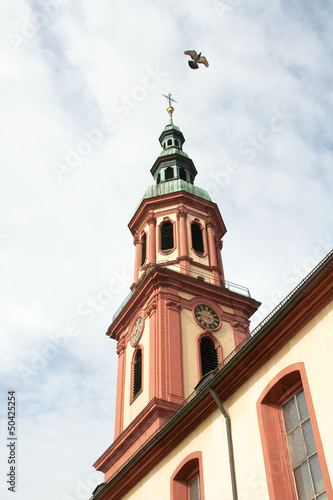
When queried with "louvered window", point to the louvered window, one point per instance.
{"points": [[208, 353], [143, 249], [168, 173], [167, 237], [137, 373], [182, 173], [197, 239]]}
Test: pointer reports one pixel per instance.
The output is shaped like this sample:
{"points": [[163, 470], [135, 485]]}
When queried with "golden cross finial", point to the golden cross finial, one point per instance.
{"points": [[170, 109]]}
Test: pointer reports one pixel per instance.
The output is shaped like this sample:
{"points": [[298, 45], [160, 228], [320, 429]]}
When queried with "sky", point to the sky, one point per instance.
{"points": [[81, 87]]}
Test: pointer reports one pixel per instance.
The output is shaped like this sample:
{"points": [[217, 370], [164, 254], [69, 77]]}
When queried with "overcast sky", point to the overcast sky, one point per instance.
{"points": [[81, 112]]}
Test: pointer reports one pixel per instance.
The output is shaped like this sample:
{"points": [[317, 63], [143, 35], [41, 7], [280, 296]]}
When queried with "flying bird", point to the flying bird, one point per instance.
{"points": [[197, 58]]}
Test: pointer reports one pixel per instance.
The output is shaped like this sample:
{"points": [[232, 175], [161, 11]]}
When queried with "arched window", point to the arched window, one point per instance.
{"points": [[168, 173], [176, 143], [208, 355], [143, 249], [158, 180], [137, 372], [182, 173], [187, 480], [197, 239], [169, 143], [167, 242], [294, 458]]}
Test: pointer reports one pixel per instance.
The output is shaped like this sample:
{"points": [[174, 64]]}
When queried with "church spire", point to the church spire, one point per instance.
{"points": [[173, 163]]}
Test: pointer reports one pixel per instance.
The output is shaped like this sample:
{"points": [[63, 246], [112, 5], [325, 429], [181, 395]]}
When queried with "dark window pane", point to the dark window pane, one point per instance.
{"points": [[182, 173], [137, 374], [290, 414], [308, 438], [143, 250], [317, 476], [302, 406], [209, 358], [168, 173], [303, 482], [197, 240], [167, 236], [296, 446], [194, 489]]}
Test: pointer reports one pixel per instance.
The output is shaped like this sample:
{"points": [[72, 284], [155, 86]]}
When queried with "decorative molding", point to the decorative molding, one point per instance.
{"points": [[151, 307], [151, 219], [136, 239], [121, 346], [175, 304], [210, 223], [181, 211]]}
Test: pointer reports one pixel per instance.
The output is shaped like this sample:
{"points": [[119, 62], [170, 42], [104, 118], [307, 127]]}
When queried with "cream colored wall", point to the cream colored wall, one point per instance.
{"points": [[156, 485], [313, 345], [132, 410]]}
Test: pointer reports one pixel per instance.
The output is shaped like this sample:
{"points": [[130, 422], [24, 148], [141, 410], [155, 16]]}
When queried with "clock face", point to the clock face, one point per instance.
{"points": [[207, 317], [137, 330]]}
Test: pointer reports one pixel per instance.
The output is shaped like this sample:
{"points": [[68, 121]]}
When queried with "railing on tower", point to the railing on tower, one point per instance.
{"points": [[189, 273]]}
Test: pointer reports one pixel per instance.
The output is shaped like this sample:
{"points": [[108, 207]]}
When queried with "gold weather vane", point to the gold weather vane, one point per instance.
{"points": [[170, 109]]}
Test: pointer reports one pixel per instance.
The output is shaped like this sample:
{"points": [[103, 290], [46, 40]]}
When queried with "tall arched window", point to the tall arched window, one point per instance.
{"points": [[197, 239], [143, 249], [137, 372], [208, 355], [294, 458], [167, 242]]}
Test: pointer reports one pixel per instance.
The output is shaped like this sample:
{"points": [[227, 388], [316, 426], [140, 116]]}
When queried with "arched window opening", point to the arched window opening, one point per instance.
{"points": [[158, 180], [182, 173], [169, 143], [290, 437], [168, 173], [197, 239], [176, 143], [167, 237], [137, 373], [187, 480], [208, 355], [143, 249]]}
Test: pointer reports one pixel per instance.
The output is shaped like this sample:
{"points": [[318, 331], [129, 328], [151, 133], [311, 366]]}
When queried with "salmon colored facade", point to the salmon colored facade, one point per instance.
{"points": [[201, 403]]}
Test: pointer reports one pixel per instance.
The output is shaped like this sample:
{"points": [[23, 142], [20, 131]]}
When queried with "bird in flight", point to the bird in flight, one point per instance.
{"points": [[197, 58]]}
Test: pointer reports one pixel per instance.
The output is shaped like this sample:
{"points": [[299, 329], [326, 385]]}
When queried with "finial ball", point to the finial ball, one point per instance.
{"points": [[170, 110]]}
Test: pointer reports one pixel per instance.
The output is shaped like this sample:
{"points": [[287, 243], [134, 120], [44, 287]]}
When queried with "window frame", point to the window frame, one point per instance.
{"points": [[163, 222], [218, 348], [279, 473], [135, 396], [204, 241], [190, 467], [143, 242]]}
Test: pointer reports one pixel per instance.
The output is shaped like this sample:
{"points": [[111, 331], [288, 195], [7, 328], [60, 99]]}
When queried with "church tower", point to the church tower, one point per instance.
{"points": [[181, 318]]}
